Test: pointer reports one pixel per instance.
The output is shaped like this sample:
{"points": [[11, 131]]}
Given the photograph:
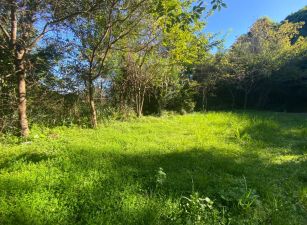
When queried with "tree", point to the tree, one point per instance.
{"points": [[138, 76], [18, 19], [95, 36], [299, 16], [207, 74], [256, 55]]}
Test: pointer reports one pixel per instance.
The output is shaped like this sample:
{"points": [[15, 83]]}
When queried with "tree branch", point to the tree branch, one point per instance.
{"points": [[44, 31], [6, 34]]}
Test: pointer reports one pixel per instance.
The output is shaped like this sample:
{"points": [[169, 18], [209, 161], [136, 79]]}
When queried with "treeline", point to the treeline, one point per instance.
{"points": [[80, 62], [264, 69]]}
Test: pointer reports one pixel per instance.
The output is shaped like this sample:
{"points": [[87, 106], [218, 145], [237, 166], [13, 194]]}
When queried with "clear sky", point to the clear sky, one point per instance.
{"points": [[239, 15]]}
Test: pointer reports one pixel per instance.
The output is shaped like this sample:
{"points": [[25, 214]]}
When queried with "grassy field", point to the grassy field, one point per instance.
{"points": [[215, 168]]}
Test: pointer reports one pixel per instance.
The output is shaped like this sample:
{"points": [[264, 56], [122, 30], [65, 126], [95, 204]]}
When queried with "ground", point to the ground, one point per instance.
{"points": [[214, 168]]}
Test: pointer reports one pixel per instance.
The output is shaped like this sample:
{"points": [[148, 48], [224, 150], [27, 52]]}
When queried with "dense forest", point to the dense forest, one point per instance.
{"points": [[83, 62]]}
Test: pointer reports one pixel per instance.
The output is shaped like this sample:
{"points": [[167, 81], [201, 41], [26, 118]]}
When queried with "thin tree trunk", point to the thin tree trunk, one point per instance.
{"points": [[138, 105], [159, 104], [142, 102], [138, 102], [203, 99], [206, 102], [20, 72], [139, 113], [245, 99], [22, 103], [233, 101], [92, 104]]}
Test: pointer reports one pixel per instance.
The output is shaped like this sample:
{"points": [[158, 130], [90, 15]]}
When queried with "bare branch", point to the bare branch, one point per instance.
{"points": [[6, 34], [103, 37], [44, 30]]}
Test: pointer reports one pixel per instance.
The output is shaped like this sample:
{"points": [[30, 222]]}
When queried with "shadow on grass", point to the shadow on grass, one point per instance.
{"points": [[27, 157], [276, 136], [120, 188], [287, 131], [206, 171]]}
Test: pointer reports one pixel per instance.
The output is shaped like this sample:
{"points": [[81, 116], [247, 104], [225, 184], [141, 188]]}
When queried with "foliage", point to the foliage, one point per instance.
{"points": [[299, 16], [181, 28], [263, 69], [197, 210], [258, 54], [160, 177]]}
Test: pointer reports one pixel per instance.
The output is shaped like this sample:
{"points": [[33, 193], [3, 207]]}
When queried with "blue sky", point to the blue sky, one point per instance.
{"points": [[239, 15]]}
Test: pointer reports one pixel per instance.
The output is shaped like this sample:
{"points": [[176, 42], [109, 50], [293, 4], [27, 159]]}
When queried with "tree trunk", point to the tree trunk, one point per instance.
{"points": [[20, 72], [233, 100], [142, 102], [203, 99], [139, 113], [206, 102], [139, 96], [22, 103], [245, 99], [92, 104], [138, 105], [159, 102]]}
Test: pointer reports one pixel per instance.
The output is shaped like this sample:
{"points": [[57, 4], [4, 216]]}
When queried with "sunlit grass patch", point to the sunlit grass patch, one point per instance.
{"points": [[214, 168]]}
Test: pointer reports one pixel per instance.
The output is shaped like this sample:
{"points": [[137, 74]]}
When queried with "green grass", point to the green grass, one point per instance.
{"points": [[252, 166]]}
